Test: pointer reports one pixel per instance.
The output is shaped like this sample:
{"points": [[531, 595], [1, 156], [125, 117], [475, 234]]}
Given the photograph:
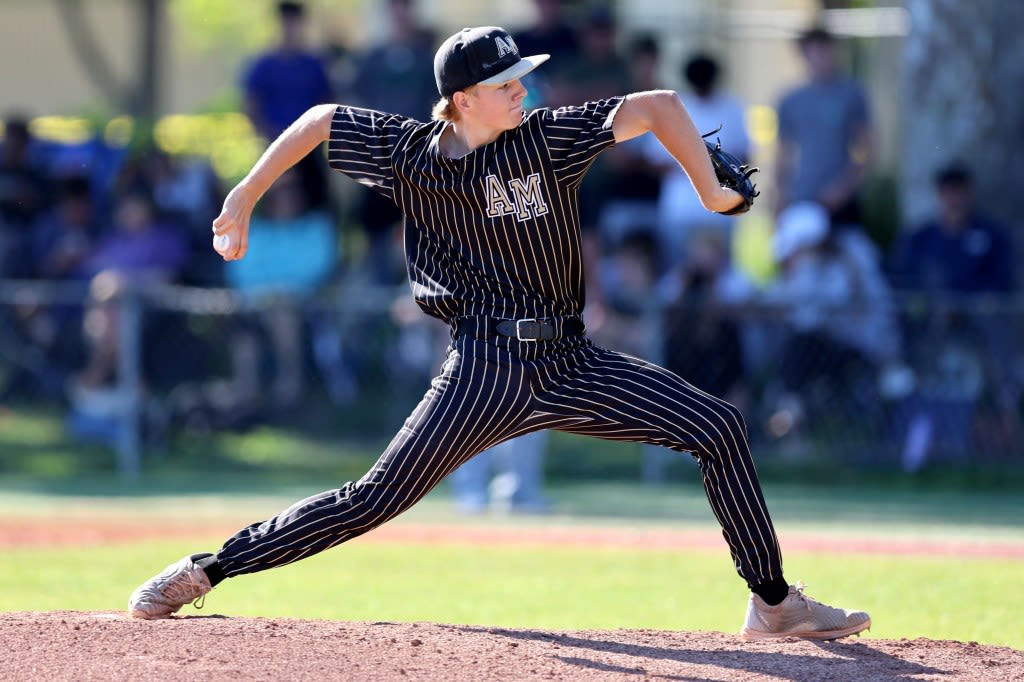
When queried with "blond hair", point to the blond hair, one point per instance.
{"points": [[444, 110]]}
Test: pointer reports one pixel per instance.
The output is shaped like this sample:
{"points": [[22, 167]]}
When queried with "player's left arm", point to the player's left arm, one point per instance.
{"points": [[662, 113]]}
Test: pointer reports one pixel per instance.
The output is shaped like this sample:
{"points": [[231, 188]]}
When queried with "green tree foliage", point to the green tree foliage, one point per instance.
{"points": [[208, 25], [244, 27]]}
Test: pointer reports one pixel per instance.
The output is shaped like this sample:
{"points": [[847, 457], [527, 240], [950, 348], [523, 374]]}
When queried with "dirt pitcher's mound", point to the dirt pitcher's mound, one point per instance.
{"points": [[109, 646]]}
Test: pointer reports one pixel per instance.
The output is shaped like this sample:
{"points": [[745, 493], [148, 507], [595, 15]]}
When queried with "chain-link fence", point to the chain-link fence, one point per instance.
{"points": [[133, 367]]}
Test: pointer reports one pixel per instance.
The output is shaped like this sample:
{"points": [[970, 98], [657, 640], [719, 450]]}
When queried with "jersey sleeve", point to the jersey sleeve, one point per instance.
{"points": [[576, 135], [362, 145]]}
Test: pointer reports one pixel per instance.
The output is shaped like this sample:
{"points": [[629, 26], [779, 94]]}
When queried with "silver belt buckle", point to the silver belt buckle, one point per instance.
{"points": [[524, 328]]}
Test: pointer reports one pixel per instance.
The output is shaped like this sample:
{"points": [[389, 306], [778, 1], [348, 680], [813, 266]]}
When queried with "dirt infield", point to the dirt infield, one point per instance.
{"points": [[110, 646]]}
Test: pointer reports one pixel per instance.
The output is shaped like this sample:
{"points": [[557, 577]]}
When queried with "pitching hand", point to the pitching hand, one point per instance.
{"points": [[231, 228]]}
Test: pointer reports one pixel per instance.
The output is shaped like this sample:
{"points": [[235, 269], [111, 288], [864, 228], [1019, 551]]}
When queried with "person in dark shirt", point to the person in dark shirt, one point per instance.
{"points": [[281, 84], [960, 354], [23, 191], [959, 249], [550, 33], [396, 75]]}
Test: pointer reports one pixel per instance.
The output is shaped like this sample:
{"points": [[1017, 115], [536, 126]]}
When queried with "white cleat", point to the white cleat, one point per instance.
{"points": [[800, 616], [183, 582]]}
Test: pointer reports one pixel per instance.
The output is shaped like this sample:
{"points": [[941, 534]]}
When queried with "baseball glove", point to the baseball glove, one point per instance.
{"points": [[732, 174]]}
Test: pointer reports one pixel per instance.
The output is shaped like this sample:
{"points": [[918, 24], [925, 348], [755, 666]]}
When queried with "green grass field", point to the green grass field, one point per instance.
{"points": [[235, 479], [540, 587], [543, 587]]}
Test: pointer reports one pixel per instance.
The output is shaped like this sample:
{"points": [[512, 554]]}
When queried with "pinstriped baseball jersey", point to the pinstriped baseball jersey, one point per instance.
{"points": [[495, 232]]}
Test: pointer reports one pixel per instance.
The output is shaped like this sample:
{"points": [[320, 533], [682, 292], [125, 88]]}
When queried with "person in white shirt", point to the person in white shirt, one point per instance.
{"points": [[679, 209]]}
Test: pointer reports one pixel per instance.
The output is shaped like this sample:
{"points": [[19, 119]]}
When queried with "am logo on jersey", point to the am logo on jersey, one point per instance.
{"points": [[523, 198]]}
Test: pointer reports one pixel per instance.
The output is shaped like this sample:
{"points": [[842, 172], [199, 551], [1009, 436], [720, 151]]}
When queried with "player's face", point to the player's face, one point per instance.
{"points": [[499, 106]]}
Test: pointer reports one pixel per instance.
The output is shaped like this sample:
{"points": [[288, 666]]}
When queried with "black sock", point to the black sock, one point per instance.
{"points": [[208, 562], [773, 591]]}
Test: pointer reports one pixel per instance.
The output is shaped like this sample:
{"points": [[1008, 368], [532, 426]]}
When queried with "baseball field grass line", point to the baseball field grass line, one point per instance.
{"points": [[953, 516], [93, 532], [543, 587]]}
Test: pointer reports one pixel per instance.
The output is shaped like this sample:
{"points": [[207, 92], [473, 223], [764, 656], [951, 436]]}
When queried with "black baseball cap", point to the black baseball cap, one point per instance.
{"points": [[483, 55]]}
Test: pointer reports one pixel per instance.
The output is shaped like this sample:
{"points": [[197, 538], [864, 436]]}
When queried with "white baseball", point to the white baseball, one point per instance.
{"points": [[221, 242]]}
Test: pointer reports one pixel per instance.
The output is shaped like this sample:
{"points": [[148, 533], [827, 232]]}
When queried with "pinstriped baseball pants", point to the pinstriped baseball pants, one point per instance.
{"points": [[491, 390]]}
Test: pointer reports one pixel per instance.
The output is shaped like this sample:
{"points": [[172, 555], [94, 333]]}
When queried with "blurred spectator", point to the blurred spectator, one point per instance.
{"points": [[93, 157], [597, 70], [632, 182], [186, 192], [824, 135], [632, 307], [60, 240], [704, 341], [420, 340], [22, 177], [644, 63], [139, 250], [64, 236], [959, 249], [958, 352], [549, 33], [19, 148], [23, 189], [507, 478], [293, 252], [839, 331], [281, 84], [139, 247], [397, 75], [679, 209], [625, 187]]}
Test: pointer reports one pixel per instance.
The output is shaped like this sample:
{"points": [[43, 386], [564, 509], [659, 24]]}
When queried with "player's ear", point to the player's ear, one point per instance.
{"points": [[461, 100]]}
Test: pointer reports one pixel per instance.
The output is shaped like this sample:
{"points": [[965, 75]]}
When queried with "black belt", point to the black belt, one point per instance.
{"points": [[529, 329]]}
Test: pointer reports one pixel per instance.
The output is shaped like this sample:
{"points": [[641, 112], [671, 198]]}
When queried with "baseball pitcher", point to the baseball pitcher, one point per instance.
{"points": [[493, 247]]}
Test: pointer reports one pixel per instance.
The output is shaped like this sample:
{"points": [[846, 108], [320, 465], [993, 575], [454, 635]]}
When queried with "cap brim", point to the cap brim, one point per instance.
{"points": [[517, 70]]}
